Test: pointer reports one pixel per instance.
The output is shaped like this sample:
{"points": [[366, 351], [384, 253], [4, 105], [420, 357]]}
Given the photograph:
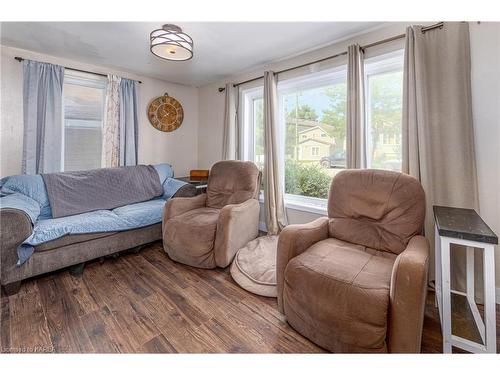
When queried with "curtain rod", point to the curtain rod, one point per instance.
{"points": [[387, 40], [20, 59]]}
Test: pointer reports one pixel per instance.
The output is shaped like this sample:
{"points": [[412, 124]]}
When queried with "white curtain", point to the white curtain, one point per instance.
{"points": [[273, 182], [438, 134], [356, 156], [43, 117], [230, 142], [111, 124]]}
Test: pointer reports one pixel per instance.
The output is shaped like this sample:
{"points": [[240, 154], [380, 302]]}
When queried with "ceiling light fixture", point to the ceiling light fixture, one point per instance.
{"points": [[170, 43]]}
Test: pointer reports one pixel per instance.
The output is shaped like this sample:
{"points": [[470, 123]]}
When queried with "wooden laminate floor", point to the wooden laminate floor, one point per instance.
{"points": [[147, 303]]}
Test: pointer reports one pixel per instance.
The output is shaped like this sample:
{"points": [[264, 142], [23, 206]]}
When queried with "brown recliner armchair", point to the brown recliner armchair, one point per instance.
{"points": [[356, 281], [206, 231]]}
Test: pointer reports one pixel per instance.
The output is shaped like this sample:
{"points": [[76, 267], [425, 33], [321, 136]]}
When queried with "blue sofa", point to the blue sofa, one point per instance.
{"points": [[33, 243]]}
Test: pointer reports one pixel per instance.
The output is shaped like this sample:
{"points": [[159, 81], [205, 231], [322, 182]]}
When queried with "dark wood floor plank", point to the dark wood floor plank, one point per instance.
{"points": [[29, 330], [115, 332], [66, 329], [98, 333], [125, 307], [186, 337], [158, 344], [83, 302], [147, 303], [174, 292], [4, 325]]}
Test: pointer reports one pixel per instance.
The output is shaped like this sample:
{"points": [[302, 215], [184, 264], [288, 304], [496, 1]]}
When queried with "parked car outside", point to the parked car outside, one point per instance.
{"points": [[337, 160]]}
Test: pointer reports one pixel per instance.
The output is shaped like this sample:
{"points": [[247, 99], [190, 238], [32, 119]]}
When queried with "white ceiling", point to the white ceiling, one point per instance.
{"points": [[221, 49]]}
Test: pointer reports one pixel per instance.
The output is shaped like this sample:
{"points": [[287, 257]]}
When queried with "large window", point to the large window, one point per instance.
{"points": [[384, 91], [313, 129], [313, 126], [313, 119], [83, 116]]}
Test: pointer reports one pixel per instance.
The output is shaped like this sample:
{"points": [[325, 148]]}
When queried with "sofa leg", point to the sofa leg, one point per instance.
{"points": [[77, 269], [12, 288]]}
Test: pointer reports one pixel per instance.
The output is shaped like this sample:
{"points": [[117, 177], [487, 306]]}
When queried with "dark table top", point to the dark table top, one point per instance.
{"points": [[463, 223], [197, 183]]}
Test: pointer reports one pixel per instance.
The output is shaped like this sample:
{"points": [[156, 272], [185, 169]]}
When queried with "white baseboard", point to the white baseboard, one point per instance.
{"points": [[497, 296], [263, 228]]}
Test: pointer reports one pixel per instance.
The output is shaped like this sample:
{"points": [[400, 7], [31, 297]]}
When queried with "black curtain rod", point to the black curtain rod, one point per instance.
{"points": [[77, 70], [400, 36]]}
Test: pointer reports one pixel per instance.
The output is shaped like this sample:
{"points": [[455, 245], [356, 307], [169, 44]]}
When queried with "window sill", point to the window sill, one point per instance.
{"points": [[306, 204]]}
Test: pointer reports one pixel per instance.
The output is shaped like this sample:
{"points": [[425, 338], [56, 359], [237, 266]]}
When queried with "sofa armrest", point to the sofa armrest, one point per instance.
{"points": [[408, 297], [238, 224], [178, 206], [294, 240], [15, 227]]}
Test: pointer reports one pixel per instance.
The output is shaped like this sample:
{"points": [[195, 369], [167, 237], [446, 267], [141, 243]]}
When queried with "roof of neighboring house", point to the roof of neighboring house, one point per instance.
{"points": [[307, 125], [315, 140], [313, 128]]}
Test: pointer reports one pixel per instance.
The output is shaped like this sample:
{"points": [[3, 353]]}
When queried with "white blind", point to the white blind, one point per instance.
{"points": [[83, 116]]}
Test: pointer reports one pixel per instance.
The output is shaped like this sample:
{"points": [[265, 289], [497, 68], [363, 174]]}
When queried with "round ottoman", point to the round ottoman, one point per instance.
{"points": [[254, 266]]}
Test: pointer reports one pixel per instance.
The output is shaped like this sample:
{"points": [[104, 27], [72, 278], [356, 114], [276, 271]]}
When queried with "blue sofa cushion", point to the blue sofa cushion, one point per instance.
{"points": [[31, 186], [164, 171]]}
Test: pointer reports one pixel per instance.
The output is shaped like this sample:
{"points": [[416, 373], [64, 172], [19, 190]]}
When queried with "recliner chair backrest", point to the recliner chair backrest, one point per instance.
{"points": [[232, 182], [376, 208]]}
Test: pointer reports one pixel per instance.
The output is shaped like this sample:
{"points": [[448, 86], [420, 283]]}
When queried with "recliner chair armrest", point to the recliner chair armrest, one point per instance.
{"points": [[15, 227], [408, 297], [238, 224], [178, 206], [294, 240]]}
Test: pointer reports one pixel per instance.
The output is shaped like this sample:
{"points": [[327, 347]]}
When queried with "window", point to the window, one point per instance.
{"points": [[313, 127], [83, 115], [384, 91], [313, 117]]}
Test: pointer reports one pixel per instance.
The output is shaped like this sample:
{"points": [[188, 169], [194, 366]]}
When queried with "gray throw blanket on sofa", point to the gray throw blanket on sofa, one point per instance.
{"points": [[72, 193]]}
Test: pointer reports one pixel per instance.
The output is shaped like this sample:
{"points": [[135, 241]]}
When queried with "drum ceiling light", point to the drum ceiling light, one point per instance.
{"points": [[170, 43]]}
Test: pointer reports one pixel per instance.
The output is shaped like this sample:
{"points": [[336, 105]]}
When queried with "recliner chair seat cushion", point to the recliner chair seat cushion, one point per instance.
{"points": [[190, 237], [337, 294]]}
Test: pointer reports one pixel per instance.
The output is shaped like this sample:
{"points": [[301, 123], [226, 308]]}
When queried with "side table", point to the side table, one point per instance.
{"points": [[199, 184], [465, 227]]}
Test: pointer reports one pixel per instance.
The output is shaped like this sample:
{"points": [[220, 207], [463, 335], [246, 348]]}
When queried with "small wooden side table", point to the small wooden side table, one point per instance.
{"points": [[465, 227]]}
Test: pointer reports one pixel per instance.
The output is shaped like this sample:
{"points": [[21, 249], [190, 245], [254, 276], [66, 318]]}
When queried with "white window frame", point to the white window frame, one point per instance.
{"points": [[73, 77], [328, 77], [387, 63], [248, 131]]}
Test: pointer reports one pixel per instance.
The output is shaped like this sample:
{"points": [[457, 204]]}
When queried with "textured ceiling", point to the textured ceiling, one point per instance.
{"points": [[221, 49]]}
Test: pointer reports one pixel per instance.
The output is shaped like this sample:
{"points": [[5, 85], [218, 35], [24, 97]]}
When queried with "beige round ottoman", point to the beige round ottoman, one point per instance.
{"points": [[254, 266]]}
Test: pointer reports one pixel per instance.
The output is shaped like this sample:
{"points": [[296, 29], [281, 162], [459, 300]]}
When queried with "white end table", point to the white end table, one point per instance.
{"points": [[465, 227]]}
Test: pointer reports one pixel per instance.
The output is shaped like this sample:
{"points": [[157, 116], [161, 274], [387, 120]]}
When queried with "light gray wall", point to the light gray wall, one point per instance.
{"points": [[179, 148]]}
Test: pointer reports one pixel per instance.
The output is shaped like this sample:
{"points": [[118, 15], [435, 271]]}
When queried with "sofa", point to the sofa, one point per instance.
{"points": [[25, 217], [206, 231], [356, 281]]}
